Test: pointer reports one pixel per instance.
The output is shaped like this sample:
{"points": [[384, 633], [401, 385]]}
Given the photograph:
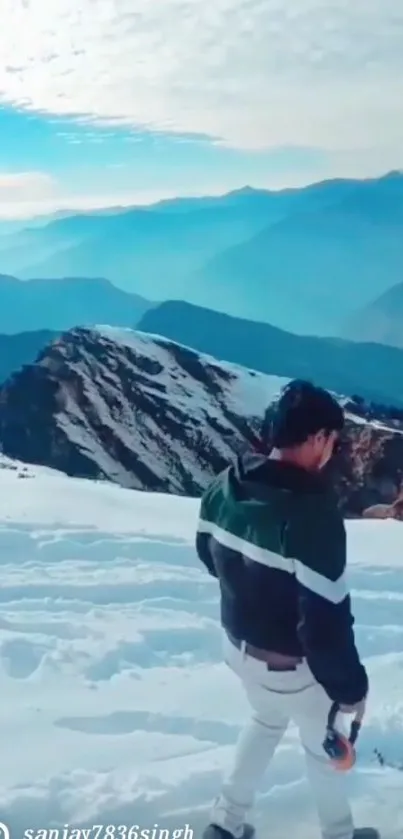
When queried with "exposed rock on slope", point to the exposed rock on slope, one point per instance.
{"points": [[151, 414]]}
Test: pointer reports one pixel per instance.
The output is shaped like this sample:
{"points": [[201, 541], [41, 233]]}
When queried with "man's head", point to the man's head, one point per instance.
{"points": [[305, 425]]}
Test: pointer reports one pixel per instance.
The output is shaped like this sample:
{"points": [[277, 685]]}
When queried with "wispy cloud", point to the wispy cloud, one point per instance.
{"points": [[255, 73], [26, 187]]}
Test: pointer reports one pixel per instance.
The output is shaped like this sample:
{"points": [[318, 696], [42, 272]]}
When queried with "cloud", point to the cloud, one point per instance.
{"points": [[26, 187], [254, 73]]}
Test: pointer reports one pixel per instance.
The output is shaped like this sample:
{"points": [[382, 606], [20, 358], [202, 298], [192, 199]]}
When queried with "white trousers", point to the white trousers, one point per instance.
{"points": [[276, 700]]}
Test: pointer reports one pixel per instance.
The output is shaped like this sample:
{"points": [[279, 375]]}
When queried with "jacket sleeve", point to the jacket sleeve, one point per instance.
{"points": [[317, 543], [203, 539]]}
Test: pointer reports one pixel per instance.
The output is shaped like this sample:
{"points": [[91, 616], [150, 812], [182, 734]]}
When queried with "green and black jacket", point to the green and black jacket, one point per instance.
{"points": [[273, 536]]}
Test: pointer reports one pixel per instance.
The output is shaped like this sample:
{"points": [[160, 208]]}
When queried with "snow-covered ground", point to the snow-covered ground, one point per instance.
{"points": [[115, 706]]}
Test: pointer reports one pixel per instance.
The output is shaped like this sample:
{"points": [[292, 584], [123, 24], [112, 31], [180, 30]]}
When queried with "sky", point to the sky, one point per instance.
{"points": [[107, 102]]}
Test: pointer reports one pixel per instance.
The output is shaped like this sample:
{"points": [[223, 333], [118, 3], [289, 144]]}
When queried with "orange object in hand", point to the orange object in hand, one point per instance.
{"points": [[339, 748]]}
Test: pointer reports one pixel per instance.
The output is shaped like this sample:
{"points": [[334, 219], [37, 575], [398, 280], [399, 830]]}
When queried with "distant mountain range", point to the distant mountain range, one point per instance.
{"points": [[61, 304], [149, 251], [307, 271], [381, 321], [302, 259], [151, 414], [369, 369]]}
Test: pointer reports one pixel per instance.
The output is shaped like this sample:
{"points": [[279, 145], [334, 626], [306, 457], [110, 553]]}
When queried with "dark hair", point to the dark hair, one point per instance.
{"points": [[301, 410]]}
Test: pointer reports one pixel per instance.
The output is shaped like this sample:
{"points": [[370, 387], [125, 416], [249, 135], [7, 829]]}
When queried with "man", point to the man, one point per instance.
{"points": [[270, 531]]}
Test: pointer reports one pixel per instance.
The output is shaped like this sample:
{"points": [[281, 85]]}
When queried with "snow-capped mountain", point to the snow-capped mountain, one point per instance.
{"points": [[151, 414], [136, 409]]}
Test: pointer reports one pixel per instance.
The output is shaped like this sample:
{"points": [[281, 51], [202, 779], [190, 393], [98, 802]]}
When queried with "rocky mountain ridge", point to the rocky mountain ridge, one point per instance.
{"points": [[151, 414]]}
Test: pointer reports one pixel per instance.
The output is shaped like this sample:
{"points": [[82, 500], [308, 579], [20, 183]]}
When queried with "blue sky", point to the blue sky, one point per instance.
{"points": [[120, 160], [66, 163], [141, 102]]}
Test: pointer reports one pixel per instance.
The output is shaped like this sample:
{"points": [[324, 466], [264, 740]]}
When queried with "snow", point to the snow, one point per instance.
{"points": [[116, 708], [250, 391]]}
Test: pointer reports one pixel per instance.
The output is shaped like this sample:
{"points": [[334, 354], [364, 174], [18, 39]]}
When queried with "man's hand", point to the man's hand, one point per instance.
{"points": [[379, 511], [358, 709], [386, 511], [397, 507]]}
